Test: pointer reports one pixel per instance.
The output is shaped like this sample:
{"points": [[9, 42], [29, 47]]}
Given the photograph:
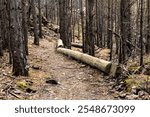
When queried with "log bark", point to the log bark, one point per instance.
{"points": [[103, 65], [78, 45]]}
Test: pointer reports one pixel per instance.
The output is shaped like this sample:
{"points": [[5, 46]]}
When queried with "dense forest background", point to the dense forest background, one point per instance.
{"points": [[116, 31]]}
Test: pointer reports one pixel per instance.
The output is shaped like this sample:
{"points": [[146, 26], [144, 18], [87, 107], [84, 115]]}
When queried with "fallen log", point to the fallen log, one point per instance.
{"points": [[103, 65], [78, 45], [100, 64]]}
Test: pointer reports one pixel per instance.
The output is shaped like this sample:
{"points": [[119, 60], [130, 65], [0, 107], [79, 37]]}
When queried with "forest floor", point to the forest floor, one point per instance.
{"points": [[53, 76]]}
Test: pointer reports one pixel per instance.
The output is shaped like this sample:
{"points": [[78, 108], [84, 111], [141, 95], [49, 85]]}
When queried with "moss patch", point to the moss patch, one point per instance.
{"points": [[139, 81]]}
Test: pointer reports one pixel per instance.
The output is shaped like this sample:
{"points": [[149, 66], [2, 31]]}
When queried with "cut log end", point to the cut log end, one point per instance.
{"points": [[60, 43]]}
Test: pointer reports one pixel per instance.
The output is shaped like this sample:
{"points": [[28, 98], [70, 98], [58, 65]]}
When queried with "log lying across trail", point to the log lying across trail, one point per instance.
{"points": [[105, 66]]}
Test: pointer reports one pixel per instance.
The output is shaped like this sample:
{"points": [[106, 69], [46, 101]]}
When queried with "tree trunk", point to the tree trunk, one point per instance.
{"points": [[109, 33], [24, 25], [40, 19], [46, 9], [4, 24], [125, 47], [83, 26], [19, 57], [141, 33], [91, 4], [1, 49], [148, 29], [65, 22], [36, 37]]}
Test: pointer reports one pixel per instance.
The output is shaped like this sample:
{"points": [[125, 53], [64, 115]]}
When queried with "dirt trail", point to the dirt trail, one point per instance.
{"points": [[76, 80]]}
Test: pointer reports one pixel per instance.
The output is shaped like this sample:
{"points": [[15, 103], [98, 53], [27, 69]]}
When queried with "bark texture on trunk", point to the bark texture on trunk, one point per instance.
{"points": [[36, 37], [18, 55]]}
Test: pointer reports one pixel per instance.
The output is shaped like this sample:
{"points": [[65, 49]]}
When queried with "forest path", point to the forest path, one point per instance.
{"points": [[76, 80]]}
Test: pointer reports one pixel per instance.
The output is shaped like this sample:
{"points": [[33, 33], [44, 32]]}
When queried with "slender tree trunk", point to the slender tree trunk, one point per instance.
{"points": [[68, 22], [148, 29], [111, 27], [91, 27], [99, 23], [1, 49], [61, 19], [4, 24], [36, 37], [87, 28], [141, 33], [46, 10], [83, 26], [9, 37], [40, 19], [109, 37], [116, 27], [24, 25]]}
